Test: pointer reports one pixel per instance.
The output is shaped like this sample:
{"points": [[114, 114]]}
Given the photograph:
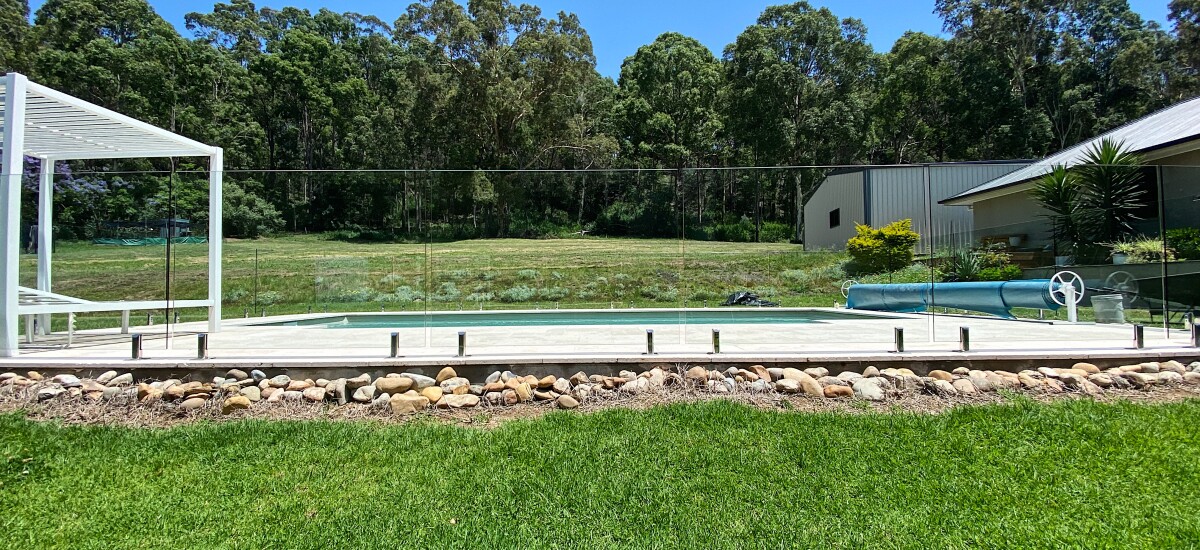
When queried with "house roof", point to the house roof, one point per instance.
{"points": [[1174, 125], [58, 126]]}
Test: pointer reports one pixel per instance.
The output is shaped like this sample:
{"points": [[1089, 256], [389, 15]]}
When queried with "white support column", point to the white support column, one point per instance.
{"points": [[45, 234], [10, 208], [216, 168]]}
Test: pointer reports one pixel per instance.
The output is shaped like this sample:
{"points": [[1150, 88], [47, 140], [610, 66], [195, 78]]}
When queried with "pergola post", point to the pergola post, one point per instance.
{"points": [[11, 169], [45, 234], [216, 168]]}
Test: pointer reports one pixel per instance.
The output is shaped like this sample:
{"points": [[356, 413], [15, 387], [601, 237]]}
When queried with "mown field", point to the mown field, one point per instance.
{"points": [[295, 273], [299, 273], [1078, 474]]}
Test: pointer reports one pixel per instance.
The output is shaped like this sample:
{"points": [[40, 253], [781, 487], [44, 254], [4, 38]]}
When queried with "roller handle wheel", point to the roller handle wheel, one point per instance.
{"points": [[1064, 278], [846, 287]]}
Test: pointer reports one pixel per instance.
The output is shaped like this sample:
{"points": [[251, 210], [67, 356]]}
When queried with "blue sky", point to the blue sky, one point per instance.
{"points": [[619, 27]]}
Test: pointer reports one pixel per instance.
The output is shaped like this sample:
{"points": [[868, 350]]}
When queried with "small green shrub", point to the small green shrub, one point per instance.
{"points": [[553, 293], [775, 232], [527, 274], [460, 274], [888, 248], [994, 255], [962, 265], [447, 292], [362, 294], [489, 275], [1143, 251], [1185, 241], [269, 298], [519, 293], [702, 295], [408, 294], [480, 297], [654, 292], [235, 295], [1006, 273], [741, 231]]}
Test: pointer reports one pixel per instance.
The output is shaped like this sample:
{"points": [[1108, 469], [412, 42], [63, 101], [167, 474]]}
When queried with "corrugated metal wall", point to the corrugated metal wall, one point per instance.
{"points": [[895, 193], [839, 191]]}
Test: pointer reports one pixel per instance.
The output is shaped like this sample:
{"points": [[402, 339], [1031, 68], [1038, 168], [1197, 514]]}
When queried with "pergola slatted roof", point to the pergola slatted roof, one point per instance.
{"points": [[62, 127], [47, 124]]}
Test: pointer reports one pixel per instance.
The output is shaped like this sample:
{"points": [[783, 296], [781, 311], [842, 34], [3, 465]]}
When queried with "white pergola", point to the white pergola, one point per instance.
{"points": [[53, 126]]}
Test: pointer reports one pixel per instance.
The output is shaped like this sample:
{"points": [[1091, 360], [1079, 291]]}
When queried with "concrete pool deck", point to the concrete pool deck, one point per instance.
{"points": [[852, 343]]}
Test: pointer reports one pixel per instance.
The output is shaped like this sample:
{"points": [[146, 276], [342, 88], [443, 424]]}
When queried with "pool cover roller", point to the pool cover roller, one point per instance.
{"points": [[996, 298]]}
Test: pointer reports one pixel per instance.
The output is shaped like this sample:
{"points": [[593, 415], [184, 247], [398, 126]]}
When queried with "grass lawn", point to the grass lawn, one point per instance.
{"points": [[713, 474], [297, 272]]}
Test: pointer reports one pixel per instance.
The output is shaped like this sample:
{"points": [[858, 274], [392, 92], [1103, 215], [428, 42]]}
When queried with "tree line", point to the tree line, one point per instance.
{"points": [[493, 88]]}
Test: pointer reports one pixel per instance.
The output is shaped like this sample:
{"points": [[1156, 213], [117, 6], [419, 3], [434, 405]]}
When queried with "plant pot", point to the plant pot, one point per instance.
{"points": [[1014, 242], [1120, 259], [1064, 260]]}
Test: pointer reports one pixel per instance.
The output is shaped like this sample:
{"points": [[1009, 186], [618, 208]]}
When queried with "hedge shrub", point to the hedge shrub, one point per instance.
{"points": [[888, 248]]}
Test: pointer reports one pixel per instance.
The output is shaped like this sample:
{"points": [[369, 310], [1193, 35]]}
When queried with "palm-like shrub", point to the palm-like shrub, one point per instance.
{"points": [[1096, 201], [1058, 192], [1110, 191]]}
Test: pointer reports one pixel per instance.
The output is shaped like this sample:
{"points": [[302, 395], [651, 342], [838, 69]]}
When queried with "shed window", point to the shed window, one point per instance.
{"points": [[835, 218]]}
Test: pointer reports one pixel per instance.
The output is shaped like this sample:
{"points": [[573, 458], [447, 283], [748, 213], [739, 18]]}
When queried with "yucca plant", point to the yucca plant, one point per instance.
{"points": [[1110, 191], [1058, 192], [1096, 201]]}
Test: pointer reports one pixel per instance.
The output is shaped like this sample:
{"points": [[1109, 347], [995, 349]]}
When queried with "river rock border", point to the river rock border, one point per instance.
{"points": [[409, 393]]}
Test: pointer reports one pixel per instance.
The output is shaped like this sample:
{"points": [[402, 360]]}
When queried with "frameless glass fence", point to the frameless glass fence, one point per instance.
{"points": [[332, 263]]}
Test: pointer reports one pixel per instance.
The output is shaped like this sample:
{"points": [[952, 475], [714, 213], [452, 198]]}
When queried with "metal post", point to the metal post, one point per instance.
{"points": [[1195, 336], [1139, 336], [899, 340], [649, 341], [45, 234], [462, 344], [1069, 298], [216, 173], [202, 346], [716, 337], [136, 345], [396, 345], [964, 338], [149, 319]]}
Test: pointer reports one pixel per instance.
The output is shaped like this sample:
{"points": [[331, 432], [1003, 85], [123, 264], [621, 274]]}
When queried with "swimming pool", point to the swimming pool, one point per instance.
{"points": [[562, 318]]}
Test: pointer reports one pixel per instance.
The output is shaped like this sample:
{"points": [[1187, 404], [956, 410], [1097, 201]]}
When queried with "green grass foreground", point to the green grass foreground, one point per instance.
{"points": [[714, 474]]}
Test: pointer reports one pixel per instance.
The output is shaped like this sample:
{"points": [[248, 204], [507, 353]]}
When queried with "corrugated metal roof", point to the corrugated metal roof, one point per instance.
{"points": [[1170, 126]]}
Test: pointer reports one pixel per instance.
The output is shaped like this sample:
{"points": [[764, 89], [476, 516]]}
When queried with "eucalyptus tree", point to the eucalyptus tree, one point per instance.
{"points": [[801, 82], [911, 114], [1186, 17], [14, 27], [668, 101], [512, 90]]}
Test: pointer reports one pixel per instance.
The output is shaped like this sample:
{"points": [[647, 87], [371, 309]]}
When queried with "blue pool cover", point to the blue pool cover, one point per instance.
{"points": [[996, 298]]}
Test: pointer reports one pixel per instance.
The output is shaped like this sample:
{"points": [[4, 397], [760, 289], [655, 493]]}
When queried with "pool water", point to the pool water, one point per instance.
{"points": [[557, 318]]}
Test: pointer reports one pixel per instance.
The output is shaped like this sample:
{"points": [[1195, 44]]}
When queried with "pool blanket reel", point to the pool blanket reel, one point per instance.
{"points": [[996, 298]]}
